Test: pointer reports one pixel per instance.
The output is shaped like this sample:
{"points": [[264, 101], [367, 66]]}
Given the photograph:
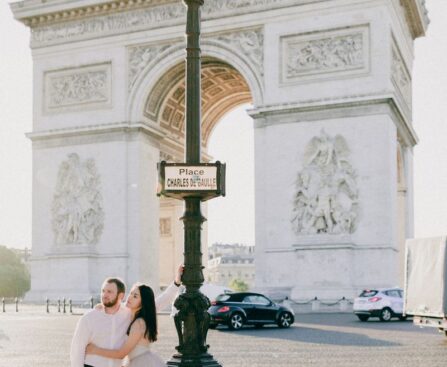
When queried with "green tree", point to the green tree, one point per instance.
{"points": [[14, 277], [238, 285]]}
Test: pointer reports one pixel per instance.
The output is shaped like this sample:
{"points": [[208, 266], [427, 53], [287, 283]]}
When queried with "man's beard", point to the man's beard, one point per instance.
{"points": [[111, 303]]}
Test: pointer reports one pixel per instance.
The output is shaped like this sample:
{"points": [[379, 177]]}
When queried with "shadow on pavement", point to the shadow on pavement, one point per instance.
{"points": [[348, 320], [312, 335]]}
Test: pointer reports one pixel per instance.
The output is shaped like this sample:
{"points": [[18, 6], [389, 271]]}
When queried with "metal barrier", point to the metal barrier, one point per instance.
{"points": [[316, 304], [61, 305]]}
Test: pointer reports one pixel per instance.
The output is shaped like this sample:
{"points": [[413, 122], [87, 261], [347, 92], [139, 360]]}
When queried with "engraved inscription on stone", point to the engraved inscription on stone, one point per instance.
{"points": [[326, 195], [78, 216], [71, 87], [324, 53]]}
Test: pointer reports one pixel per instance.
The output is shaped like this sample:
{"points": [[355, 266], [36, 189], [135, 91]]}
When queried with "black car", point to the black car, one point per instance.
{"points": [[238, 309]]}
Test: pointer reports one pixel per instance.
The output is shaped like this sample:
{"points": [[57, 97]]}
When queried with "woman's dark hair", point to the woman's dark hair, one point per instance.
{"points": [[147, 312]]}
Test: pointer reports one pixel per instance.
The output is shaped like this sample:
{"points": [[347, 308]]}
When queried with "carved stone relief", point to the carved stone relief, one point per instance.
{"points": [[400, 75], [139, 58], [114, 21], [324, 53], [326, 196], [88, 85], [247, 42], [78, 216], [214, 6]]}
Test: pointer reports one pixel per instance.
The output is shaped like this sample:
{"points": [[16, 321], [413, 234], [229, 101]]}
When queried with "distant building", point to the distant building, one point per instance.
{"points": [[231, 261], [220, 249]]}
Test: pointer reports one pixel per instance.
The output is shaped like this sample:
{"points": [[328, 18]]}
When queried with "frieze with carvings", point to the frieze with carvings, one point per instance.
{"points": [[246, 42], [400, 75], [326, 195], [77, 210], [118, 22], [213, 6], [107, 24], [324, 53], [87, 85]]}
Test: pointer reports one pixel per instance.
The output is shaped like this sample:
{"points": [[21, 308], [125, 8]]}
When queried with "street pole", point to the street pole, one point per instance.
{"points": [[192, 319]]}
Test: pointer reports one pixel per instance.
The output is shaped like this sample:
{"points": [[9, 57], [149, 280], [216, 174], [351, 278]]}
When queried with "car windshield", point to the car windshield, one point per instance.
{"points": [[368, 293]]}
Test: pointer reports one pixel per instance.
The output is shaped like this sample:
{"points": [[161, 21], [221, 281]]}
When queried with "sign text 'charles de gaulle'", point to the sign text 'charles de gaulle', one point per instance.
{"points": [[180, 180]]}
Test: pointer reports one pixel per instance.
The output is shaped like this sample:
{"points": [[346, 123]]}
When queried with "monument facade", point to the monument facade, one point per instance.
{"points": [[330, 85]]}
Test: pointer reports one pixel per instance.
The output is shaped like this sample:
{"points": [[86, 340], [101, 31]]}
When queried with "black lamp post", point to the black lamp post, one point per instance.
{"points": [[192, 319]]}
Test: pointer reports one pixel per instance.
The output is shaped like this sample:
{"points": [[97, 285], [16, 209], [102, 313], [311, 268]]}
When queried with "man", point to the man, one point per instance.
{"points": [[107, 326]]}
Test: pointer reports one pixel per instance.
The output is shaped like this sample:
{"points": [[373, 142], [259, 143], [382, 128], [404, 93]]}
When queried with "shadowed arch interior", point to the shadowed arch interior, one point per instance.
{"points": [[223, 88]]}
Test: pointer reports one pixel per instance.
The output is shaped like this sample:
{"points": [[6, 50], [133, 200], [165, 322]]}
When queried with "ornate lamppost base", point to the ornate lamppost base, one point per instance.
{"points": [[203, 360]]}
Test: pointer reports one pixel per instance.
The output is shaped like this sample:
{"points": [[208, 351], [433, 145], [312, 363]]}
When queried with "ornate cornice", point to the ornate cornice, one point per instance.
{"points": [[40, 12], [60, 21], [417, 16], [120, 127], [318, 109]]}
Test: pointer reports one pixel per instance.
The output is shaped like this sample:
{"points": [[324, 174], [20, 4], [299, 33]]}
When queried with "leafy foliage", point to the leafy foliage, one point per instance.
{"points": [[238, 285], [14, 277]]}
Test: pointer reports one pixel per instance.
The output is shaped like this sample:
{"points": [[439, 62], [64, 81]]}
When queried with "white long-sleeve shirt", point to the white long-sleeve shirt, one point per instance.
{"points": [[107, 331]]}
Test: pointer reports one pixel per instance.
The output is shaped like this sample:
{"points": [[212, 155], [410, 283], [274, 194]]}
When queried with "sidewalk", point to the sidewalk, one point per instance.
{"points": [[33, 338]]}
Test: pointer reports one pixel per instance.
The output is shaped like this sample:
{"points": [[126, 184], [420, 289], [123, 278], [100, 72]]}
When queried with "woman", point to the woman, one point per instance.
{"points": [[142, 330]]}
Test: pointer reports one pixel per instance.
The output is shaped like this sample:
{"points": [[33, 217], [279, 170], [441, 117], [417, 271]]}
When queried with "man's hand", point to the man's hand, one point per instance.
{"points": [[90, 349]]}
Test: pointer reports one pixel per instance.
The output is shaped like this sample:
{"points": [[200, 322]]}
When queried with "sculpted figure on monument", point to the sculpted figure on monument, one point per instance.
{"points": [[78, 216], [326, 191]]}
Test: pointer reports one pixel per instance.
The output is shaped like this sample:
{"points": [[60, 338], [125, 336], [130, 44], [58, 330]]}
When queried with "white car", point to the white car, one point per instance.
{"points": [[383, 303]]}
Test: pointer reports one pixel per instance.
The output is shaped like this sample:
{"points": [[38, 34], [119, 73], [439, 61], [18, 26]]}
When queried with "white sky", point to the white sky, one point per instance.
{"points": [[228, 220]]}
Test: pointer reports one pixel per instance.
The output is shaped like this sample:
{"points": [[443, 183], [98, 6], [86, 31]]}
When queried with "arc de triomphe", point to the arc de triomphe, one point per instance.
{"points": [[330, 85]]}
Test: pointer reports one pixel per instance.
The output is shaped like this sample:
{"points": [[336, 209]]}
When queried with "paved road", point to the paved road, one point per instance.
{"points": [[34, 339]]}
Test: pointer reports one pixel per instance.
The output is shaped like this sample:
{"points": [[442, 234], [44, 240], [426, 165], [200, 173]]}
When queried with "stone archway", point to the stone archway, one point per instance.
{"points": [[108, 90], [223, 89]]}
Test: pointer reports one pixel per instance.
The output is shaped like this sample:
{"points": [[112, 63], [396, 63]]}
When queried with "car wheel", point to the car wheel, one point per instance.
{"points": [[386, 314], [236, 321], [363, 317], [402, 318], [285, 320]]}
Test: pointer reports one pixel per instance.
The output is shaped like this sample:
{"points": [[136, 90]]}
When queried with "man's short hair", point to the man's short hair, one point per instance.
{"points": [[119, 284]]}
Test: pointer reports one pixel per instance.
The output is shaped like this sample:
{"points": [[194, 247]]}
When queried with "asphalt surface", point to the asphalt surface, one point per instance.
{"points": [[31, 338]]}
